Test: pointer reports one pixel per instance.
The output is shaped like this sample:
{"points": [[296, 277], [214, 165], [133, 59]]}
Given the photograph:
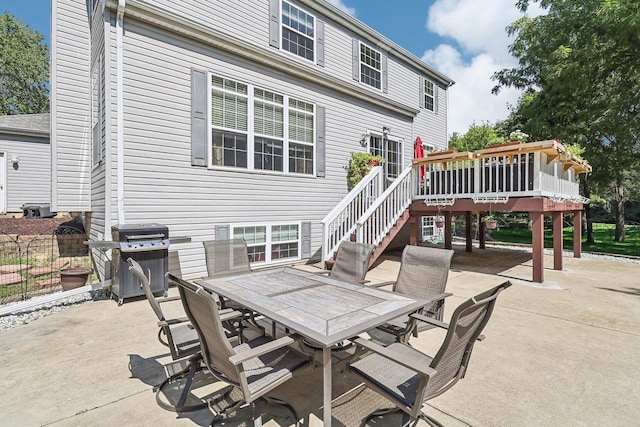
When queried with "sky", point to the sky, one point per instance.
{"points": [[463, 39]]}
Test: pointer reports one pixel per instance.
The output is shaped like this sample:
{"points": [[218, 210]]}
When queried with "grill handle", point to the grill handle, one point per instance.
{"points": [[145, 236]]}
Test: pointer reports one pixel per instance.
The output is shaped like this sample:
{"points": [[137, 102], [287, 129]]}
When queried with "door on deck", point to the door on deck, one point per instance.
{"points": [[390, 148]]}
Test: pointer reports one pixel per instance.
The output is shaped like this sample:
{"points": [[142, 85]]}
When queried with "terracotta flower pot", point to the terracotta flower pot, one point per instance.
{"points": [[439, 224], [71, 278], [490, 224]]}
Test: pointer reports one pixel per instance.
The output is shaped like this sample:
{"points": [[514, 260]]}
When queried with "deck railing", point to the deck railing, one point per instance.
{"points": [[497, 177], [340, 223]]}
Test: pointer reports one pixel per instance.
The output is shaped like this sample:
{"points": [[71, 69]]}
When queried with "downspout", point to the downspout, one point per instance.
{"points": [[119, 110]]}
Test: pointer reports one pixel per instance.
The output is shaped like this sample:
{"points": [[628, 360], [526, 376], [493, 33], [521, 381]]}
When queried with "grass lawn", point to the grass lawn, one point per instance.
{"points": [[602, 233]]}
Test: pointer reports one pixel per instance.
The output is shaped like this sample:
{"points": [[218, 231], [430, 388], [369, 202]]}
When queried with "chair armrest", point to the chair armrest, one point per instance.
{"points": [[230, 315], [168, 322], [395, 357], [438, 323], [379, 285], [167, 299], [438, 297], [262, 349], [430, 321]]}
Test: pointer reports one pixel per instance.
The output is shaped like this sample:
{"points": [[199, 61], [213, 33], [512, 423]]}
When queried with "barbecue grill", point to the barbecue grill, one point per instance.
{"points": [[148, 244]]}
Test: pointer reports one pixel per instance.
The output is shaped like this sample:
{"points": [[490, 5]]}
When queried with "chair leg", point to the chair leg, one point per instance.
{"points": [[193, 367], [257, 418], [430, 420]]}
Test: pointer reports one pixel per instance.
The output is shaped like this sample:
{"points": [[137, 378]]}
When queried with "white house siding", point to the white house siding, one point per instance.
{"points": [[98, 171], [70, 107], [244, 19], [29, 183], [160, 183]]}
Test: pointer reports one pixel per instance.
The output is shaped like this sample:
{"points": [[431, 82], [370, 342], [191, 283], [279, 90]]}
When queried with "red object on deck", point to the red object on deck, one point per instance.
{"points": [[419, 153]]}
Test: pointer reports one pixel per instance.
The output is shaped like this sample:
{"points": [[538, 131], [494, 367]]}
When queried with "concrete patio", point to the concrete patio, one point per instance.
{"points": [[564, 353]]}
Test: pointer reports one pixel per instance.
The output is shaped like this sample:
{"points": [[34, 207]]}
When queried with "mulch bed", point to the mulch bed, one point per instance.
{"points": [[30, 226]]}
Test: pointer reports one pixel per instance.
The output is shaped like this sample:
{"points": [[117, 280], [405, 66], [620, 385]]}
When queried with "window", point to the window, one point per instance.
{"points": [[98, 145], [429, 95], [370, 66], [298, 31], [270, 242], [282, 135]]}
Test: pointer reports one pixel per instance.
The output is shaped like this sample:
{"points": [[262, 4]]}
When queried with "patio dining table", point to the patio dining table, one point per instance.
{"points": [[319, 308]]}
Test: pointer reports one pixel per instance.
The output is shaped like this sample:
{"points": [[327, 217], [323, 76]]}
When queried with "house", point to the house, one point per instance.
{"points": [[25, 162], [228, 119]]}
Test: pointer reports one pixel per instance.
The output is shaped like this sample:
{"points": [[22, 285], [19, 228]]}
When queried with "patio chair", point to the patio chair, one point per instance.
{"points": [[351, 262], [407, 377], [423, 274], [254, 367], [180, 337], [224, 257]]}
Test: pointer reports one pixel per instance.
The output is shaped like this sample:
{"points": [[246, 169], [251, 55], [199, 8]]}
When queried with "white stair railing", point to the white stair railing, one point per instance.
{"points": [[377, 221], [340, 223]]}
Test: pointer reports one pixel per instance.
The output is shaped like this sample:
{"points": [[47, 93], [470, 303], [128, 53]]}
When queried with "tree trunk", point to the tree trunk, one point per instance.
{"points": [[588, 214], [619, 211]]}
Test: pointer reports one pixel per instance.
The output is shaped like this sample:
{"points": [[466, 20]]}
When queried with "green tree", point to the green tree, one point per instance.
{"points": [[24, 68], [476, 138], [581, 60]]}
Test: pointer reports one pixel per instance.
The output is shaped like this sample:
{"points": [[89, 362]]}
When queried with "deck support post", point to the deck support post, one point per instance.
{"points": [[577, 234], [413, 229], [447, 230], [558, 240], [482, 234], [468, 230], [537, 237]]}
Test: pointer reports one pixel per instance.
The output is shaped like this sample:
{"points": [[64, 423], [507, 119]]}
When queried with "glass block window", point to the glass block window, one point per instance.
{"points": [[370, 66], [298, 35]]}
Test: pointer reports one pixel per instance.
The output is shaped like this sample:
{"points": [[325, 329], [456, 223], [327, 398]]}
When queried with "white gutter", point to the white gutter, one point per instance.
{"points": [[119, 110]]}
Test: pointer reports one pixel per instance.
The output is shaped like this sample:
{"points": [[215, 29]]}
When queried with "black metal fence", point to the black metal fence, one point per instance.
{"points": [[43, 264]]}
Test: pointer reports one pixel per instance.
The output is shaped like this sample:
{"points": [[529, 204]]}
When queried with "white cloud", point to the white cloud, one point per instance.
{"points": [[340, 5], [478, 28]]}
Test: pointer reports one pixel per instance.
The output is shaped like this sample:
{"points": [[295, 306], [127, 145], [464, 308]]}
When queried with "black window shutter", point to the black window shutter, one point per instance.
{"points": [[320, 142], [274, 23], [198, 118], [223, 232], [355, 49], [305, 240], [320, 43]]}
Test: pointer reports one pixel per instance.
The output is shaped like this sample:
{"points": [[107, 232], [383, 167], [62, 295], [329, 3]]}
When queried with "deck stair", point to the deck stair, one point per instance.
{"points": [[384, 214]]}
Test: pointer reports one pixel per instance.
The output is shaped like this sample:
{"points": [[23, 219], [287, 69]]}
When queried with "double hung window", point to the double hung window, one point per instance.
{"points": [[298, 31], [370, 66], [429, 95], [257, 129]]}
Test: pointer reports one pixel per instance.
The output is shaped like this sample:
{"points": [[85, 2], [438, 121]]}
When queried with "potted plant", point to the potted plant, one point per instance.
{"points": [[490, 222], [439, 222], [360, 164], [76, 277]]}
